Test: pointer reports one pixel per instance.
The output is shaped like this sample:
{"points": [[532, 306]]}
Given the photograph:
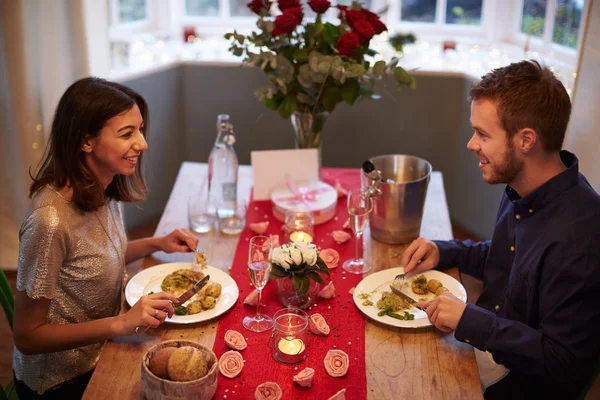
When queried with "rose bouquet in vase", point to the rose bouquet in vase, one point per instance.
{"points": [[313, 65], [297, 268]]}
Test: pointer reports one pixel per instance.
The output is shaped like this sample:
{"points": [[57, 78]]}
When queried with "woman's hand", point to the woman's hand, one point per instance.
{"points": [[421, 255], [180, 240], [150, 310]]}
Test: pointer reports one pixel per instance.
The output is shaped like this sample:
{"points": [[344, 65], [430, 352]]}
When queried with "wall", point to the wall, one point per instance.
{"points": [[431, 122]]}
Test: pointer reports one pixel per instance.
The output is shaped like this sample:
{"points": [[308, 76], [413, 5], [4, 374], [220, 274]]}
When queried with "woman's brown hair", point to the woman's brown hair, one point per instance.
{"points": [[82, 111]]}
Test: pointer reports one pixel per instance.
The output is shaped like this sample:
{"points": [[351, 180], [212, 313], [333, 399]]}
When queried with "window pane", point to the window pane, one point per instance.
{"points": [[463, 12], [534, 16], [365, 4], [238, 8], [566, 22], [132, 10], [202, 8], [418, 10]]}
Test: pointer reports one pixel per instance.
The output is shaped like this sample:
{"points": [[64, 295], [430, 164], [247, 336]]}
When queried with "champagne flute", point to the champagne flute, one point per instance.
{"points": [[259, 266], [359, 207]]}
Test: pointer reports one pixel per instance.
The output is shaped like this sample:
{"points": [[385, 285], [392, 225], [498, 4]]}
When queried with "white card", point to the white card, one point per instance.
{"points": [[270, 169]]}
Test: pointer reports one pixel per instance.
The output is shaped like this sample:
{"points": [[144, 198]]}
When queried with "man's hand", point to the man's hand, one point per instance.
{"points": [[444, 311], [421, 255]]}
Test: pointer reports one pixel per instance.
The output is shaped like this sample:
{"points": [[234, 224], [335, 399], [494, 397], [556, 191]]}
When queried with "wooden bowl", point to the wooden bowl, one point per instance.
{"points": [[156, 388]]}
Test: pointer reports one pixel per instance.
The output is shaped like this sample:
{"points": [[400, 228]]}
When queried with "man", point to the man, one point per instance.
{"points": [[536, 325]]}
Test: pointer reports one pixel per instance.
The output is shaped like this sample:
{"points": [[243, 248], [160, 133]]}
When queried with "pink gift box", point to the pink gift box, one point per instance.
{"points": [[317, 197]]}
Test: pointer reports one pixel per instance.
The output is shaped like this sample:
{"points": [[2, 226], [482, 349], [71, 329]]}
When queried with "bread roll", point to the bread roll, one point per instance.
{"points": [[187, 364]]}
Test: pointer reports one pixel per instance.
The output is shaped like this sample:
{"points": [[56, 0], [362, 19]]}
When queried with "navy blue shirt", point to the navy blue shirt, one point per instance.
{"points": [[539, 311]]}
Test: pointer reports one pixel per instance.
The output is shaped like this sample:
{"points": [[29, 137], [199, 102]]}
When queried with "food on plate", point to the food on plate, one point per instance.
{"points": [[201, 259], [341, 395], [193, 308], [419, 285], [328, 292], [235, 340], [393, 302], [268, 391], [208, 302], [336, 363], [214, 290], [180, 310], [231, 364], [318, 325], [440, 290], [178, 282], [187, 363], [305, 377], [433, 285], [159, 362]]}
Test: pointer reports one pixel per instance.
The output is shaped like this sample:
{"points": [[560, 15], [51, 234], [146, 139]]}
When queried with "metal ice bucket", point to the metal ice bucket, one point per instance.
{"points": [[398, 209]]}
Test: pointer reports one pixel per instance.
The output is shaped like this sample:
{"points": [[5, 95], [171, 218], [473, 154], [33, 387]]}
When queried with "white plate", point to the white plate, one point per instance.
{"points": [[379, 282], [149, 280]]}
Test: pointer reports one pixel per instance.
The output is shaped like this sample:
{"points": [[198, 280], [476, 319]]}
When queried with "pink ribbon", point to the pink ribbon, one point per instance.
{"points": [[301, 194]]}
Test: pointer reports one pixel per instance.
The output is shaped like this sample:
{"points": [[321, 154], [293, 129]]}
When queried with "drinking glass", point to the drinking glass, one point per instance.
{"points": [[201, 211], [259, 266], [359, 207], [232, 217]]}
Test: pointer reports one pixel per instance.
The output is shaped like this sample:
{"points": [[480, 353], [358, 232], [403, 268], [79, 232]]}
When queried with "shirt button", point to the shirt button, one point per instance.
{"points": [[518, 216], [497, 308], [512, 248], [467, 341]]}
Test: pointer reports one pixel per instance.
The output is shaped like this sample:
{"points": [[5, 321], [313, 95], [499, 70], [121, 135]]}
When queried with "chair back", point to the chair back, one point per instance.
{"points": [[7, 298]]}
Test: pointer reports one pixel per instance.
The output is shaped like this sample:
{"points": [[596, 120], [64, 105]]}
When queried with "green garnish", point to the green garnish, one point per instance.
{"points": [[180, 310]]}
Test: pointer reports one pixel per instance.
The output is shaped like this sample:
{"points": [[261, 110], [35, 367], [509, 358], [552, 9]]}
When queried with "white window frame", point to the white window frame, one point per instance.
{"points": [[152, 22]]}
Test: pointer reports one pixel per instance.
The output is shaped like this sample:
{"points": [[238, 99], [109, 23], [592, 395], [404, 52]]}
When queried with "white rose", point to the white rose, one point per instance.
{"points": [[309, 252], [280, 256], [296, 255]]}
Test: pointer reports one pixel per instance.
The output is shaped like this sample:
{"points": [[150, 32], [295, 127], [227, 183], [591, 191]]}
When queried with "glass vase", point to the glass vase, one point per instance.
{"points": [[288, 297], [308, 128]]}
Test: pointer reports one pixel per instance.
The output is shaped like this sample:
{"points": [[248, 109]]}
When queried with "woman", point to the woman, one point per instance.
{"points": [[73, 248]]}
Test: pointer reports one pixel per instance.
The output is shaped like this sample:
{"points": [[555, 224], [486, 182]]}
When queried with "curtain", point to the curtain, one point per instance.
{"points": [[42, 51]]}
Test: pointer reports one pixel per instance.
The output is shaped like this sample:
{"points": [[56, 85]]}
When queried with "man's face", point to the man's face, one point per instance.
{"points": [[498, 160]]}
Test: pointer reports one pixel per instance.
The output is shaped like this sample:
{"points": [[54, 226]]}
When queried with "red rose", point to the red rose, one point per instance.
{"points": [[319, 6], [257, 6], [377, 25], [342, 12], [354, 15], [364, 29], [285, 24], [347, 43], [297, 13], [285, 4]]}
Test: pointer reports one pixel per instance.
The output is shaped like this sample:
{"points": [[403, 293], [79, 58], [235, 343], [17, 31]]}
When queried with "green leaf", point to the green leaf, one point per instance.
{"points": [[228, 36], [316, 277], [277, 271], [324, 67], [354, 70], [300, 55], [350, 91], [379, 68], [331, 33], [287, 106], [331, 96], [237, 51], [371, 52], [322, 267], [404, 79], [301, 284]]}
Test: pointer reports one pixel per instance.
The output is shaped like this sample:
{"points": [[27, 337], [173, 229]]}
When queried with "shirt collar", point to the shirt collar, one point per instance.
{"points": [[541, 196]]}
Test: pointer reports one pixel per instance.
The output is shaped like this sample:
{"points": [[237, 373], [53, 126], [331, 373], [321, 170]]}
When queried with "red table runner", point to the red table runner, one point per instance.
{"points": [[346, 322]]}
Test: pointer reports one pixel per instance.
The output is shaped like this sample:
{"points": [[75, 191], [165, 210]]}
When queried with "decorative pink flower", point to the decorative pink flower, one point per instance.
{"points": [[336, 363], [347, 225], [268, 391], [259, 227], [274, 240], [340, 236], [231, 363], [305, 377], [252, 298], [339, 395], [341, 191], [331, 257], [328, 292], [318, 325], [235, 340]]}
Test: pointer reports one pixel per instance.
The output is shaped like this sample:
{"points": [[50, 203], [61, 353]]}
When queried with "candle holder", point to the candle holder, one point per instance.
{"points": [[289, 336], [299, 226]]}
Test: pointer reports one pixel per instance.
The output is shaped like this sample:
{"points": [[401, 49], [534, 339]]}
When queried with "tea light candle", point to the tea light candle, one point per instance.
{"points": [[300, 236], [290, 345]]}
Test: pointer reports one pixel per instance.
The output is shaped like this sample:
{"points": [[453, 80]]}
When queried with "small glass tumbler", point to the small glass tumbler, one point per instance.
{"points": [[289, 336], [202, 214], [299, 226], [232, 217]]}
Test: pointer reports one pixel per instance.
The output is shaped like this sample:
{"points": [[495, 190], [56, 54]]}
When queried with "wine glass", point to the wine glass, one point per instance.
{"points": [[259, 266], [359, 207]]}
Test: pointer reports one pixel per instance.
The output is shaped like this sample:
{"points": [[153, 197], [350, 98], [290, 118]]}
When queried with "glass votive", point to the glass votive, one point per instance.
{"points": [[232, 217], [299, 226], [289, 337]]}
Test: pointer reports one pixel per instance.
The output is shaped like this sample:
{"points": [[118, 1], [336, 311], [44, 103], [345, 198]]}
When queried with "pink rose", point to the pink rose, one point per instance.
{"points": [[268, 391], [318, 325], [274, 240], [328, 292], [331, 257], [341, 191], [259, 227], [339, 395], [305, 377], [336, 363], [252, 298], [231, 363], [235, 340], [340, 236], [347, 225]]}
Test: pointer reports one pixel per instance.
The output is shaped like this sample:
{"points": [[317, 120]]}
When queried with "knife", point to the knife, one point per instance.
{"points": [[139, 330], [400, 293]]}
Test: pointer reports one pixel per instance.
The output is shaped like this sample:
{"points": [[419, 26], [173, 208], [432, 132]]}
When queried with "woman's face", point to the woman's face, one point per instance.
{"points": [[116, 150]]}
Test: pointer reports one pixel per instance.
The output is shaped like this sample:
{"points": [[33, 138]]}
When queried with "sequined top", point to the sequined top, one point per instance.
{"points": [[75, 259]]}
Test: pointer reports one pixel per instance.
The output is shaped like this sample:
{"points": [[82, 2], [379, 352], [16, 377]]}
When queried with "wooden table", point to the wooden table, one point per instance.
{"points": [[401, 363]]}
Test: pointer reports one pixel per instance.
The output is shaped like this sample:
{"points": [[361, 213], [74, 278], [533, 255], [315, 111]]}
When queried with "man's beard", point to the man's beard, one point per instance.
{"points": [[506, 172]]}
